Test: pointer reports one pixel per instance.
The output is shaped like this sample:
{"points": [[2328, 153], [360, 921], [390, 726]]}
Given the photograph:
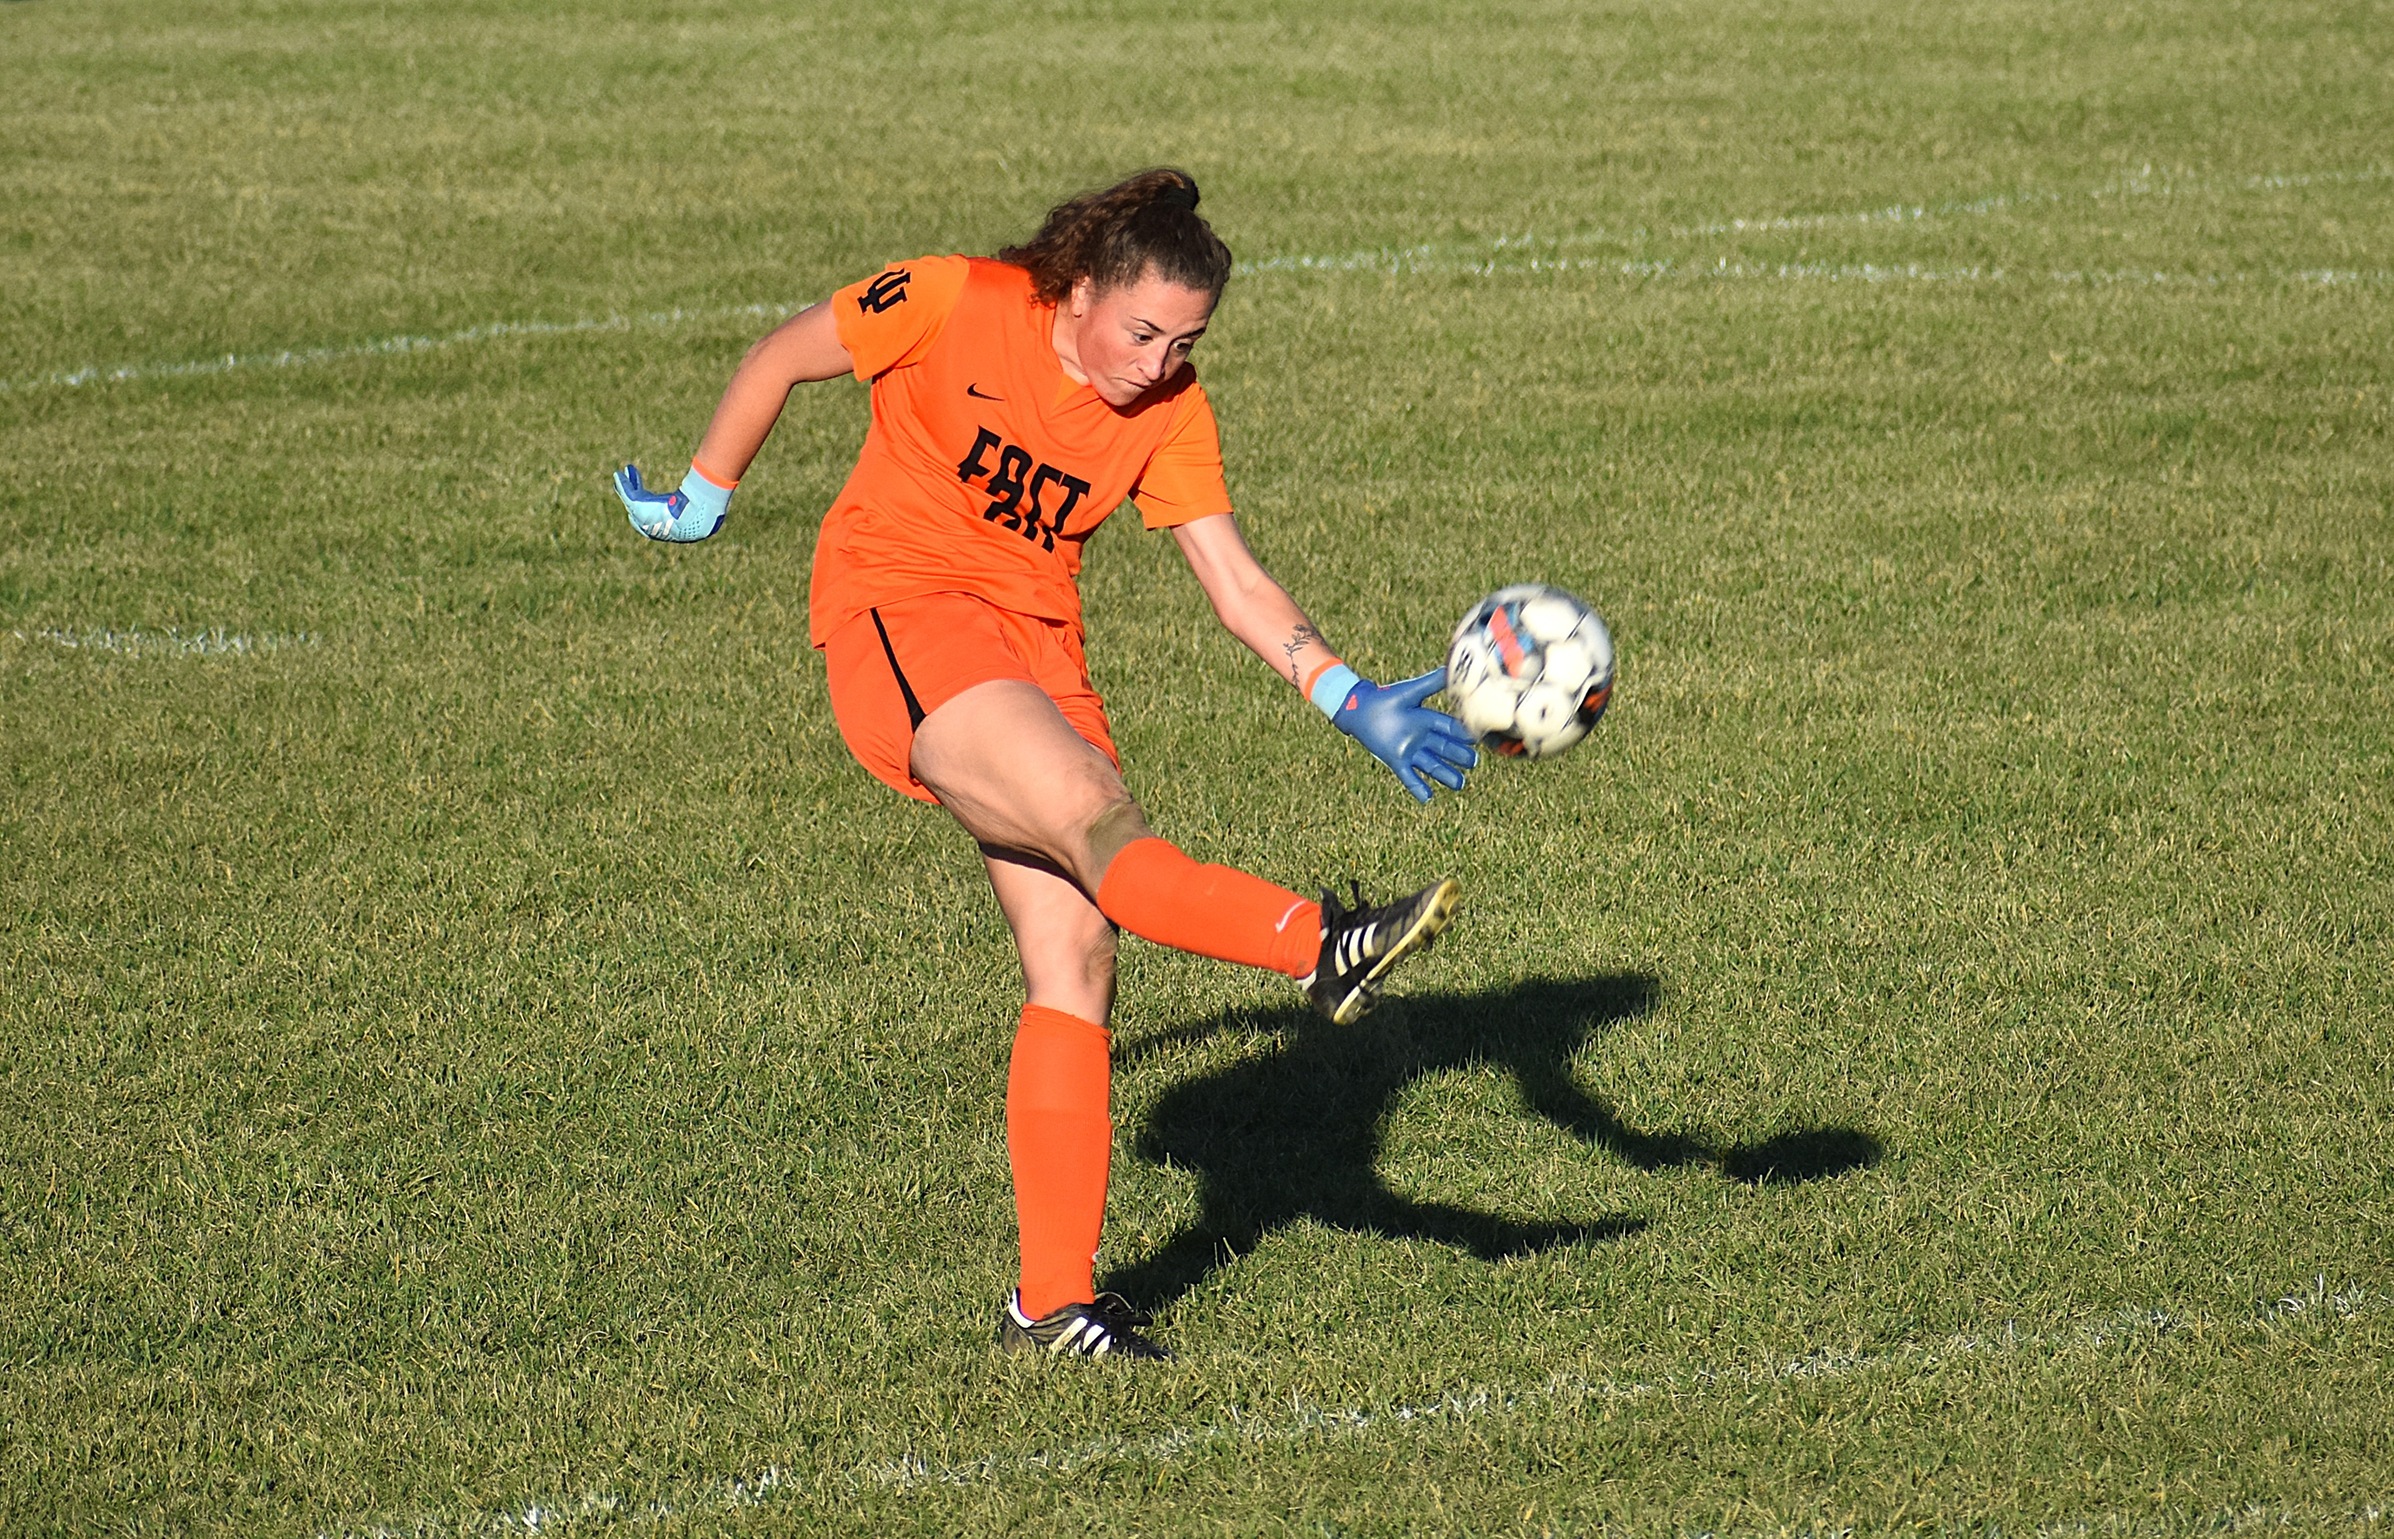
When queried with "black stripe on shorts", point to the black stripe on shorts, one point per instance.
{"points": [[914, 707]]}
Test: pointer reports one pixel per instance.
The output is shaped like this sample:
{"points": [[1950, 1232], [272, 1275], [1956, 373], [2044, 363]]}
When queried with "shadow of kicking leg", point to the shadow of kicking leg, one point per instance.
{"points": [[1489, 1236]]}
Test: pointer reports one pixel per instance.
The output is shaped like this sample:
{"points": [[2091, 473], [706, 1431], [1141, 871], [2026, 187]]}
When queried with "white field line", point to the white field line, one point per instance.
{"points": [[1466, 258], [169, 642], [2240, 1520], [2144, 184], [2139, 184], [384, 347], [1391, 260], [1425, 259], [1276, 1425], [2136, 184]]}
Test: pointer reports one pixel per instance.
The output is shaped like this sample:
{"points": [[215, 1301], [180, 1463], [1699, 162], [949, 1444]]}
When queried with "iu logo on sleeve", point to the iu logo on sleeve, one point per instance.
{"points": [[887, 290]]}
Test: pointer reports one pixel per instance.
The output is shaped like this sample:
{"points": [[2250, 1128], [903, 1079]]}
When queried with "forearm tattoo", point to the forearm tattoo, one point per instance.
{"points": [[1299, 639]]}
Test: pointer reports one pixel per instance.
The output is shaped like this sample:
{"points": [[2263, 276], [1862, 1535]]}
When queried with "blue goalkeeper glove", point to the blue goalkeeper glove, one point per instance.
{"points": [[1400, 731], [692, 513]]}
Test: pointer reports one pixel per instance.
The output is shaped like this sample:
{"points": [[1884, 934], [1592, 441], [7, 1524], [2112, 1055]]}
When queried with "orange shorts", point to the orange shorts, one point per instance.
{"points": [[895, 664]]}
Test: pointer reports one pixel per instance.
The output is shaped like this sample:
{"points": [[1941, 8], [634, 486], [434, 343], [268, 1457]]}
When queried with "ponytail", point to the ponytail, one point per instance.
{"points": [[1146, 223]]}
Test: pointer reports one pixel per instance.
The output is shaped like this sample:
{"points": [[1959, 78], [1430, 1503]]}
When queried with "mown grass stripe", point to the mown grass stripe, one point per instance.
{"points": [[1458, 259], [1413, 260]]}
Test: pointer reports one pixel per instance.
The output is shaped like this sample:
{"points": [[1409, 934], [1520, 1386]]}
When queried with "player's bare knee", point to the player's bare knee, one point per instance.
{"points": [[1073, 961]]}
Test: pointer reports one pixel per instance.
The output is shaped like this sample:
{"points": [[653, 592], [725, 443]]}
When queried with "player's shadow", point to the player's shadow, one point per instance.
{"points": [[1294, 1133]]}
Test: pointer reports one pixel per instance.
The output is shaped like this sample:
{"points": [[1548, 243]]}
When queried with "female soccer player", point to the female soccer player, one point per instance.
{"points": [[1016, 402]]}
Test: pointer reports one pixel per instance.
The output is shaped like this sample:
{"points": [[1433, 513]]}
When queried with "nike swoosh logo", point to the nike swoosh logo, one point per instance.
{"points": [[976, 390]]}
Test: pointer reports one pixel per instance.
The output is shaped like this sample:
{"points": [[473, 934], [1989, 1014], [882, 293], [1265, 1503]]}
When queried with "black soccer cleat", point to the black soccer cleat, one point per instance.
{"points": [[1106, 1327], [1360, 944]]}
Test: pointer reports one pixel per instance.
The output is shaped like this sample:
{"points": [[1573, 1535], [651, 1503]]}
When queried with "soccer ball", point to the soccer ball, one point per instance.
{"points": [[1530, 670]]}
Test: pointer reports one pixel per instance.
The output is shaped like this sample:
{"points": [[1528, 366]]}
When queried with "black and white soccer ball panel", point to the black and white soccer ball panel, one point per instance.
{"points": [[1530, 670]]}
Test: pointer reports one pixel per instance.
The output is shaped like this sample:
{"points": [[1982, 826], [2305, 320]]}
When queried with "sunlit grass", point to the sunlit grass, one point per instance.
{"points": [[476, 1045]]}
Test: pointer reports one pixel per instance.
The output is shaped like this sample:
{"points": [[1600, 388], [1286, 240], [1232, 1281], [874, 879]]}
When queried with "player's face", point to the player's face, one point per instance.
{"points": [[1131, 338]]}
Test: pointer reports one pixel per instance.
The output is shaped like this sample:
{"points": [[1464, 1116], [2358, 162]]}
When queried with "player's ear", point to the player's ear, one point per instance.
{"points": [[1084, 293]]}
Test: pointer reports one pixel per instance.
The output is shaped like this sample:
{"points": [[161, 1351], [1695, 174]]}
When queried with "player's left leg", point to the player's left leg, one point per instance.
{"points": [[1059, 1133]]}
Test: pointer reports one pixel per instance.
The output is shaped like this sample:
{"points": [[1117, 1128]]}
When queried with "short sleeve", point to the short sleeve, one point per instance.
{"points": [[891, 319], [1183, 479]]}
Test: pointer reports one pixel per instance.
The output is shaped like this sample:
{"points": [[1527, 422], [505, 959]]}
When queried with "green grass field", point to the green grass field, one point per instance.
{"points": [[476, 1056]]}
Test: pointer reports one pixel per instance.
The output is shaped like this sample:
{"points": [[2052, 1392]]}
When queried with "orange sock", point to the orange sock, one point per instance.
{"points": [[1061, 1142], [1155, 891]]}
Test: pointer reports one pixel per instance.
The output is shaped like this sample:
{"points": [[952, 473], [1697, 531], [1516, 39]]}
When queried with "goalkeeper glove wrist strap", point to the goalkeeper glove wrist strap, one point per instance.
{"points": [[1330, 688], [707, 498]]}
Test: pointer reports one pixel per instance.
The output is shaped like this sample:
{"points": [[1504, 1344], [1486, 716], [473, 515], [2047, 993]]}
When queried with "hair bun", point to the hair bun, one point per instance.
{"points": [[1146, 222]]}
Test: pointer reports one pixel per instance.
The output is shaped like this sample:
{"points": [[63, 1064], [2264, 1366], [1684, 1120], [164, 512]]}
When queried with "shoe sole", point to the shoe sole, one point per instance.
{"points": [[1434, 917], [1014, 1341], [1027, 1347]]}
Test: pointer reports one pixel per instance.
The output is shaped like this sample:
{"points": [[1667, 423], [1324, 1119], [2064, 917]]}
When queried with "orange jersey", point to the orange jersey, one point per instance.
{"points": [[987, 467]]}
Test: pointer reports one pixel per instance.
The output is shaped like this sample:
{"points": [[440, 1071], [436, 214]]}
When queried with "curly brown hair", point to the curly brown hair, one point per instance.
{"points": [[1148, 222]]}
